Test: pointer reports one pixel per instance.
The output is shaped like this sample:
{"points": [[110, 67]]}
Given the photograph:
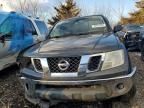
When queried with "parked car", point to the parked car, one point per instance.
{"points": [[18, 32], [131, 36], [141, 44], [83, 60]]}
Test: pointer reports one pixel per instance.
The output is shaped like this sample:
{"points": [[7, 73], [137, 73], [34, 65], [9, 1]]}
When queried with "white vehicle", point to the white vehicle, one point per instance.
{"points": [[18, 32]]}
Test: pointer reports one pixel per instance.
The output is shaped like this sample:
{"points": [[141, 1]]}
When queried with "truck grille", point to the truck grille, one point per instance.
{"points": [[72, 61], [94, 63]]}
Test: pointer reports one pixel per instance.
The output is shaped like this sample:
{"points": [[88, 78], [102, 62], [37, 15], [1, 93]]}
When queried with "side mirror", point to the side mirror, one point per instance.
{"points": [[117, 28], [2, 39]]}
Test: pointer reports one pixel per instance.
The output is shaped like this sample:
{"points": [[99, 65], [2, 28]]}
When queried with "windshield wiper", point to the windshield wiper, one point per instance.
{"points": [[86, 33], [61, 36]]}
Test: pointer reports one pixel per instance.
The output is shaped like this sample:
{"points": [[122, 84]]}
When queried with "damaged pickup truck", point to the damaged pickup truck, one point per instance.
{"points": [[82, 60]]}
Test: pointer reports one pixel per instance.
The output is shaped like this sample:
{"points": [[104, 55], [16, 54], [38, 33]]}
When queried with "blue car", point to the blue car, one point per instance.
{"points": [[18, 32]]}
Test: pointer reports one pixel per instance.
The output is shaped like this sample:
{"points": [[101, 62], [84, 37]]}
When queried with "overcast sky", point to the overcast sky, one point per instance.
{"points": [[90, 6]]}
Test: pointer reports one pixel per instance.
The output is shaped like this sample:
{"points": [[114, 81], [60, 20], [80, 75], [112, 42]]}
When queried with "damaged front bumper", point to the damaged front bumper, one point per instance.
{"points": [[84, 90]]}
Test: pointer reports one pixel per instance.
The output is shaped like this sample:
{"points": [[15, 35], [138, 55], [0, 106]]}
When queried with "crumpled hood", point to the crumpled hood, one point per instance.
{"points": [[77, 45], [134, 30]]}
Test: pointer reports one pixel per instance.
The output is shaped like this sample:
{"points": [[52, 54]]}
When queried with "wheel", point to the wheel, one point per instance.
{"points": [[127, 97], [125, 100]]}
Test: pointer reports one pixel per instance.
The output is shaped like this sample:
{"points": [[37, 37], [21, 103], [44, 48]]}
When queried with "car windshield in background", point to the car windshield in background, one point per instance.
{"points": [[8, 26], [2, 18], [133, 27], [42, 27], [79, 26]]}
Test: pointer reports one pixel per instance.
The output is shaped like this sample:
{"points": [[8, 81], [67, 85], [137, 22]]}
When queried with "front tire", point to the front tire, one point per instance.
{"points": [[130, 95], [120, 105], [125, 100]]}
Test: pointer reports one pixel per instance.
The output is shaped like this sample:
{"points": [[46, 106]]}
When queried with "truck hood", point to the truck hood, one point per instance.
{"points": [[76, 45]]}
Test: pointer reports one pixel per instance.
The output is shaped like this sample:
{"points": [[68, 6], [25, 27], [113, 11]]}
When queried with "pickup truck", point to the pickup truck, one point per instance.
{"points": [[17, 32], [82, 60]]}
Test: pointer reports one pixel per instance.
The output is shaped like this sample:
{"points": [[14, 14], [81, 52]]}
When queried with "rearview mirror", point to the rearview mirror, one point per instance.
{"points": [[117, 28]]}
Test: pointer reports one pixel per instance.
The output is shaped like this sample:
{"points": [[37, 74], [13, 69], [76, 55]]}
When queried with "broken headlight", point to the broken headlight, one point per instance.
{"points": [[113, 59], [25, 62]]}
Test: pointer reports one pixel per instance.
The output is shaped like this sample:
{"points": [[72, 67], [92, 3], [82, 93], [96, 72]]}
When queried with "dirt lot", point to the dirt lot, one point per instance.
{"points": [[11, 92]]}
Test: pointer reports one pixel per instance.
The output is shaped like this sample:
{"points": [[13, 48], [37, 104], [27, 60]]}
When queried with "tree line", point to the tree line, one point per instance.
{"points": [[69, 8], [136, 17]]}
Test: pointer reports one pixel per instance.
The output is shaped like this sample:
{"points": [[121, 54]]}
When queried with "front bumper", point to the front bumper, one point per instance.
{"points": [[84, 90]]}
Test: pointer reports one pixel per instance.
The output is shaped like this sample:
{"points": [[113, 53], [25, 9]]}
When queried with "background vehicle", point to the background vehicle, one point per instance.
{"points": [[18, 32], [131, 36], [141, 44], [82, 54]]}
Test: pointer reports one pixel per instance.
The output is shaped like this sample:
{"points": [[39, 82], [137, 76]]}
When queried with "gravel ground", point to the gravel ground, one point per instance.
{"points": [[138, 101], [11, 92]]}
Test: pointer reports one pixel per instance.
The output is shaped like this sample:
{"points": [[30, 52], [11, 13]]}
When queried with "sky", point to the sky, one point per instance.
{"points": [[110, 8], [127, 5], [4, 6]]}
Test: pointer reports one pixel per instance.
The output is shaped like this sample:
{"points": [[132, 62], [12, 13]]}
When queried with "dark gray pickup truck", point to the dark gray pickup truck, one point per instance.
{"points": [[82, 60]]}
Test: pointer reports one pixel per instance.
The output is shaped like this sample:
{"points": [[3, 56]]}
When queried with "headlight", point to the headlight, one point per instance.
{"points": [[113, 59], [25, 62]]}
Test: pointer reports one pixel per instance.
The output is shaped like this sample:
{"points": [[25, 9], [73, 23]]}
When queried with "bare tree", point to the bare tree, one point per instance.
{"points": [[19, 5], [1, 6], [84, 10], [30, 7], [105, 10], [119, 11]]}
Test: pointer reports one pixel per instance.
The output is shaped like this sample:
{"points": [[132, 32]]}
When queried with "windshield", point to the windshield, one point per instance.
{"points": [[93, 24]]}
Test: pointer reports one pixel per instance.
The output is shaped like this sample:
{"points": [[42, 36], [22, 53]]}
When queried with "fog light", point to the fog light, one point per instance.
{"points": [[120, 86]]}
